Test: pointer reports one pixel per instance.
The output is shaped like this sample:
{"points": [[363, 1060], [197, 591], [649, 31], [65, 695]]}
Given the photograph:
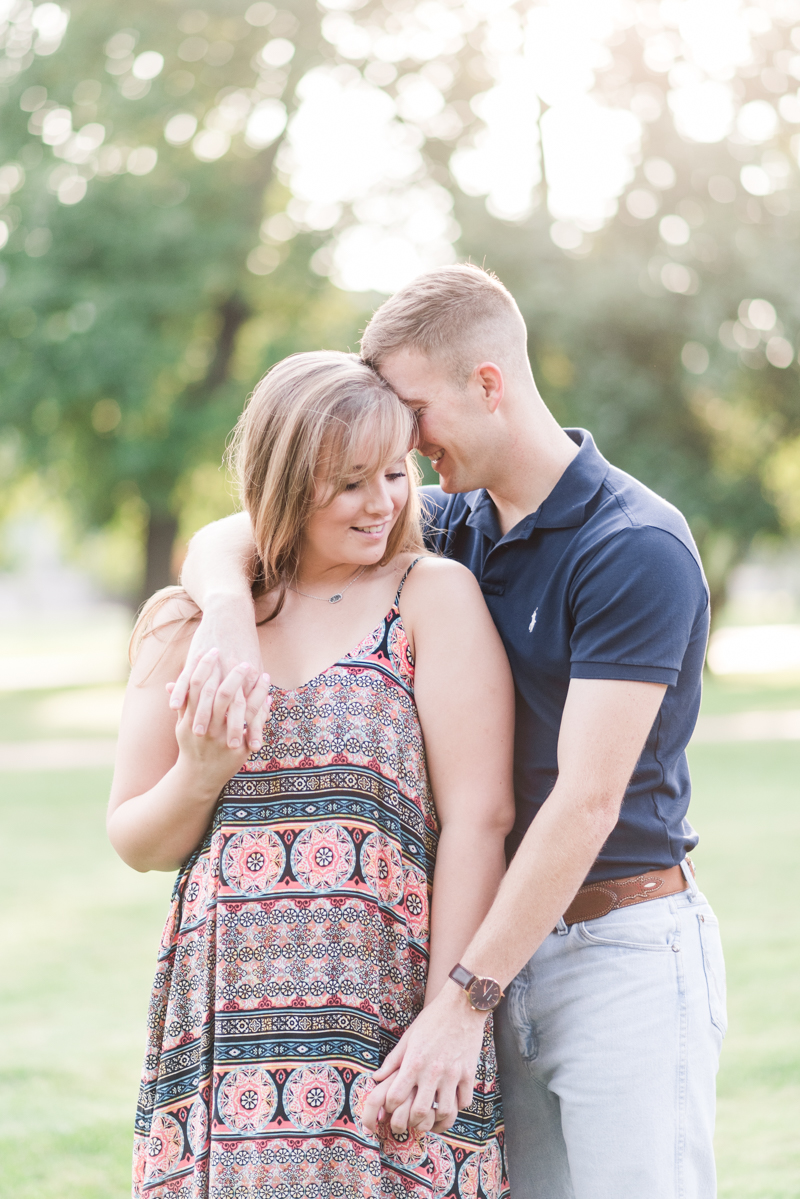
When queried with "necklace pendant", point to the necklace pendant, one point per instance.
{"points": [[335, 598]]}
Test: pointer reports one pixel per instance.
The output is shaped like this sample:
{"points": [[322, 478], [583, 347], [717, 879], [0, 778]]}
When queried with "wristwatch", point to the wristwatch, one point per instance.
{"points": [[484, 993]]}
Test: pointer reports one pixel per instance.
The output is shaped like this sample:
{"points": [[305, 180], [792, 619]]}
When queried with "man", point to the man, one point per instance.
{"points": [[609, 1036]]}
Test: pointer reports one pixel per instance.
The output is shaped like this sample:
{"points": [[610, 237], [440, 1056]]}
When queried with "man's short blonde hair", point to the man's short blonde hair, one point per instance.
{"points": [[447, 314]]}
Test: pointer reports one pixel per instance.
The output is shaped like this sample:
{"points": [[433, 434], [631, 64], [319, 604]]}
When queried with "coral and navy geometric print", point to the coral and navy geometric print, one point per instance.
{"points": [[295, 955]]}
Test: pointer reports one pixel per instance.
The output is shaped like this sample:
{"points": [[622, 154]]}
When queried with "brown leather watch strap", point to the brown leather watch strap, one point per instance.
{"points": [[462, 976], [484, 994], [598, 899]]}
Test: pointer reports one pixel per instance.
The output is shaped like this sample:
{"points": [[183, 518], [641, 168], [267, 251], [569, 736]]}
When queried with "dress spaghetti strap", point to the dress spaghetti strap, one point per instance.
{"points": [[405, 576]]}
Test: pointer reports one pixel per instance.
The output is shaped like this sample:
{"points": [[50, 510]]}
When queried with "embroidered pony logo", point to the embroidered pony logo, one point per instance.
{"points": [[533, 621]]}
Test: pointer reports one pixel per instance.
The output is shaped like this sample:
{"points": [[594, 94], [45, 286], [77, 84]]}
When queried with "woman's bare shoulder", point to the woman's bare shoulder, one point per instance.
{"points": [[433, 574], [441, 597], [161, 635], [446, 617]]}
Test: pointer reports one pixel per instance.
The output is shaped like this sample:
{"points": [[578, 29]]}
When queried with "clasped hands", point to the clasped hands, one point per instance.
{"points": [[433, 1062], [216, 692], [212, 713]]}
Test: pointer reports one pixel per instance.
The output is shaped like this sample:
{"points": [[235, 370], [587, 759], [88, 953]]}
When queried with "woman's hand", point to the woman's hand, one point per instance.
{"points": [[216, 749], [378, 1120], [170, 765], [228, 624]]}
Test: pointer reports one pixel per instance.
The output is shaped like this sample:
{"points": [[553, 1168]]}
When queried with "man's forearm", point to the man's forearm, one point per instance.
{"points": [[550, 865], [437, 1055], [220, 561], [217, 575], [604, 725]]}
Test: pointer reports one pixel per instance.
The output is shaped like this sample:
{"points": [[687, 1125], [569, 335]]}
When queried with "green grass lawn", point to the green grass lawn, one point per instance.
{"points": [[747, 812], [738, 693], [79, 933], [78, 939]]}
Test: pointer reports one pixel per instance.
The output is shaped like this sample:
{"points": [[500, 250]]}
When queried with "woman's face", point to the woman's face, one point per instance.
{"points": [[355, 525]]}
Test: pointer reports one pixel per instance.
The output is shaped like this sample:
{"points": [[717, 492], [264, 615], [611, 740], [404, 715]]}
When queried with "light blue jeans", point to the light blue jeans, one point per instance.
{"points": [[608, 1044]]}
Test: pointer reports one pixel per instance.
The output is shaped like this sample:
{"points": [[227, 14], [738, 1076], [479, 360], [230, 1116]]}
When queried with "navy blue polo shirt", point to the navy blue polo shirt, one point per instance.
{"points": [[603, 581]]}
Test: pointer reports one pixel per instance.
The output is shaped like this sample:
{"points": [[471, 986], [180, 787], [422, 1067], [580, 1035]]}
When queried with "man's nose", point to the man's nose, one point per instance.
{"points": [[421, 443]]}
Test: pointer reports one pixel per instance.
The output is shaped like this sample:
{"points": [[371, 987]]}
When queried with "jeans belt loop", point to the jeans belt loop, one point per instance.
{"points": [[687, 866]]}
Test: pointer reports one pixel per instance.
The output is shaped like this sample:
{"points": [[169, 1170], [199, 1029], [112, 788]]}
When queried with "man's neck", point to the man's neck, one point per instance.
{"points": [[541, 453]]}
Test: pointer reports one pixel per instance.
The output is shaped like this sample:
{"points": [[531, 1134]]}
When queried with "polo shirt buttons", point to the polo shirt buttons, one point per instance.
{"points": [[676, 948]]}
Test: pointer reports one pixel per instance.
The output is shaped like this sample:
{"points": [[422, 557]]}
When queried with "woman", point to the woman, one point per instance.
{"points": [[300, 944]]}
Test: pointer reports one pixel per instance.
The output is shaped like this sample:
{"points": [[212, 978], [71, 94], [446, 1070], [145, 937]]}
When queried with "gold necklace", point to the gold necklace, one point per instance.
{"points": [[333, 599]]}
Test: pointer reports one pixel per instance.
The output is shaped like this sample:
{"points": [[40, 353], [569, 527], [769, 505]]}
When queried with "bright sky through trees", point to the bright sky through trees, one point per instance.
{"points": [[543, 65], [353, 148]]}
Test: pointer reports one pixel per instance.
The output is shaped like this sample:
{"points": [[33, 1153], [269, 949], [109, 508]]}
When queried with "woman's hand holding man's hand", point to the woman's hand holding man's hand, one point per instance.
{"points": [[434, 1061], [209, 726], [223, 625]]}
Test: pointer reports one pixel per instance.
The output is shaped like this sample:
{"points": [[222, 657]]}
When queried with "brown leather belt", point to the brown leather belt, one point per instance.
{"points": [[598, 899]]}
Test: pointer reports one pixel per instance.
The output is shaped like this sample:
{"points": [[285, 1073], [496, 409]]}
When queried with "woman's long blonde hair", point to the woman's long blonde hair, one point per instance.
{"points": [[316, 422]]}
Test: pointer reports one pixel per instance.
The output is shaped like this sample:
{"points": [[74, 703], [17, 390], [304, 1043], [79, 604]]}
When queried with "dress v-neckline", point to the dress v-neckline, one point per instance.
{"points": [[367, 636], [344, 657]]}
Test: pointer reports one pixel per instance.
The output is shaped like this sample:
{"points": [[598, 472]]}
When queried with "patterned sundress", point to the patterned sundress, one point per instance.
{"points": [[295, 955]]}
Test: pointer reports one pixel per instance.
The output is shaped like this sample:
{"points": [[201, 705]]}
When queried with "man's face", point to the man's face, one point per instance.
{"points": [[449, 417]]}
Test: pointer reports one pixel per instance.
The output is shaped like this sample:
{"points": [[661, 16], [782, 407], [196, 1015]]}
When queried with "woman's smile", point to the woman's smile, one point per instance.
{"points": [[371, 530]]}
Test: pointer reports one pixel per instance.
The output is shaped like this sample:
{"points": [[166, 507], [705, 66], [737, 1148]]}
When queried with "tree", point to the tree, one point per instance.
{"points": [[130, 325], [183, 239]]}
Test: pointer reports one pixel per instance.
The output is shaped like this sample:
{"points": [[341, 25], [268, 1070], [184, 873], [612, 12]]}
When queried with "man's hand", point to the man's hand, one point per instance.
{"points": [[217, 575], [436, 1059], [228, 625], [216, 750]]}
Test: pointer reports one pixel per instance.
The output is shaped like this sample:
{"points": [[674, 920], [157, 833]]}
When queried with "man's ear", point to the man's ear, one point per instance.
{"points": [[492, 386]]}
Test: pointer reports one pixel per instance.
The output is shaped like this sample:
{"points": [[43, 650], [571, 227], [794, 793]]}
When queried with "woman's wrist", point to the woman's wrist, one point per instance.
{"points": [[197, 782]]}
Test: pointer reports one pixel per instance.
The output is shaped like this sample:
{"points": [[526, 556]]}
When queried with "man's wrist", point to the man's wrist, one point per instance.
{"points": [[457, 1000], [230, 596]]}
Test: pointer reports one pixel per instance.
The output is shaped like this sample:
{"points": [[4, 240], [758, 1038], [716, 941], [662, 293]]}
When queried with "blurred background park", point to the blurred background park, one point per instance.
{"points": [[189, 194]]}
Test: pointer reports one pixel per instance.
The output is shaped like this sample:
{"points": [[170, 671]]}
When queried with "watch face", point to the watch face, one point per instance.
{"points": [[484, 994]]}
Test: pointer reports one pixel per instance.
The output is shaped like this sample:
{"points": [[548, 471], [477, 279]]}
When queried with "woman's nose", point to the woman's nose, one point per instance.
{"points": [[379, 501]]}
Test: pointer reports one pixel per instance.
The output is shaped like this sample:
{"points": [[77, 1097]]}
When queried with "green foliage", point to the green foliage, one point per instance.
{"points": [[136, 317], [129, 347]]}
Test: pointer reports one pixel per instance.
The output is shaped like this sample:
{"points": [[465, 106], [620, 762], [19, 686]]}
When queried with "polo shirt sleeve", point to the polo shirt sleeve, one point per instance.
{"points": [[635, 605]]}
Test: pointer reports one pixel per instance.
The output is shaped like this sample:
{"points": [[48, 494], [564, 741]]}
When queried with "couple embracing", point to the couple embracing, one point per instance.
{"points": [[439, 854]]}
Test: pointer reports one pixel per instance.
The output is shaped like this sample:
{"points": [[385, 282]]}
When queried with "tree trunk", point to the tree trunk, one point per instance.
{"points": [[233, 312], [161, 533]]}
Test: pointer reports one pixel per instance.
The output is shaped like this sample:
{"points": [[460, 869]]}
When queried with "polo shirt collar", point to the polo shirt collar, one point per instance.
{"points": [[483, 514], [565, 506]]}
